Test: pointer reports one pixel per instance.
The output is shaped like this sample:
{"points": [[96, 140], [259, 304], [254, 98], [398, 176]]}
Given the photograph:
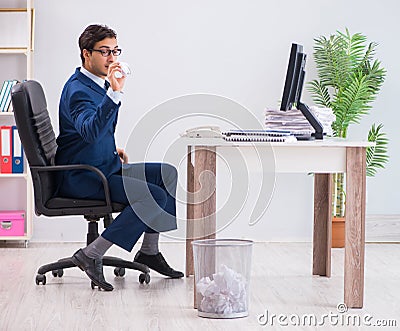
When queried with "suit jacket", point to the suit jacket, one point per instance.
{"points": [[87, 118]]}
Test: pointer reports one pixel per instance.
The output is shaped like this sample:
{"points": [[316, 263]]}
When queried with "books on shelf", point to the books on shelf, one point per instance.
{"points": [[5, 95], [11, 151]]}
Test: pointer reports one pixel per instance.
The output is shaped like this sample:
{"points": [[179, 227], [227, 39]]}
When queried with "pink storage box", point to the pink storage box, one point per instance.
{"points": [[12, 223]]}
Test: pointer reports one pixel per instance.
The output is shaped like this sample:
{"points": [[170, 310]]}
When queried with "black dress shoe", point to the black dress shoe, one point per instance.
{"points": [[157, 263], [93, 268]]}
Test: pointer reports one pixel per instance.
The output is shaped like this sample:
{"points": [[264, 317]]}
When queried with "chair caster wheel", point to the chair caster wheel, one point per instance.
{"points": [[40, 279], [144, 278], [58, 273], [119, 272]]}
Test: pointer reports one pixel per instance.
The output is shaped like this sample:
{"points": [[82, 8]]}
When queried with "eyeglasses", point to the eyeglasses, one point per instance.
{"points": [[107, 52]]}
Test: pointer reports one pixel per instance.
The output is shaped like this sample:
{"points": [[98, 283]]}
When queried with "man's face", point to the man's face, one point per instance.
{"points": [[95, 62]]}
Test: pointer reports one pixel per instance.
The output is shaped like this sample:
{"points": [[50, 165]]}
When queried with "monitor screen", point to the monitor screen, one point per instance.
{"points": [[294, 85], [294, 73]]}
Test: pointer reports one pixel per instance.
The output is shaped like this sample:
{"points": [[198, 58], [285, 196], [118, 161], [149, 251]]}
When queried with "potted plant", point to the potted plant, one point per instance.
{"points": [[349, 79]]}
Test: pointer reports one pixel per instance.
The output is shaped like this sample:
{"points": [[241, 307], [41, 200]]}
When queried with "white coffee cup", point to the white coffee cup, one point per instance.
{"points": [[125, 70]]}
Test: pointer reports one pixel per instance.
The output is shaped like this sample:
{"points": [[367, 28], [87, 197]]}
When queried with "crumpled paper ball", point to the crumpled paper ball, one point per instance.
{"points": [[224, 294], [326, 117]]}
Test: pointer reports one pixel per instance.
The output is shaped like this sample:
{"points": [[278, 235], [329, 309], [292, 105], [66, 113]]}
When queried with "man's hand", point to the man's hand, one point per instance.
{"points": [[117, 84], [122, 155]]}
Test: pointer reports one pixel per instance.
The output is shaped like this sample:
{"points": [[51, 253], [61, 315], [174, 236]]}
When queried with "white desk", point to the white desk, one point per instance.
{"points": [[323, 158]]}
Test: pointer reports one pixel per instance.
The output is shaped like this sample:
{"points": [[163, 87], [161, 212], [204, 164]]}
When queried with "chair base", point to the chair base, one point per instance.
{"points": [[57, 268]]}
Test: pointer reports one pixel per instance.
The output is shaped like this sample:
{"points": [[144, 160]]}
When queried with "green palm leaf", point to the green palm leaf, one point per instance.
{"points": [[377, 155], [350, 104], [354, 47], [319, 94]]}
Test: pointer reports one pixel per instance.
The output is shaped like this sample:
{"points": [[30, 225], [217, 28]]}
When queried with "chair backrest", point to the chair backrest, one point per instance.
{"points": [[36, 133], [33, 123]]}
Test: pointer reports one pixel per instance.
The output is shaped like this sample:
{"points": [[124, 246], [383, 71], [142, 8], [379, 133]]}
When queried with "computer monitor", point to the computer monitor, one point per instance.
{"points": [[294, 85]]}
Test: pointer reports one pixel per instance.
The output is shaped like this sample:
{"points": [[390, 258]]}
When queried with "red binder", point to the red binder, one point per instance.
{"points": [[6, 148]]}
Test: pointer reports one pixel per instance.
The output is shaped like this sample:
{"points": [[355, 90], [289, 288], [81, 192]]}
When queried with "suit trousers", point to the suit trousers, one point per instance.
{"points": [[148, 191]]}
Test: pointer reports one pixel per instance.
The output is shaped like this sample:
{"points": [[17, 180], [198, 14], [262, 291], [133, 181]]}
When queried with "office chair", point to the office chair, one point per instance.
{"points": [[39, 143]]}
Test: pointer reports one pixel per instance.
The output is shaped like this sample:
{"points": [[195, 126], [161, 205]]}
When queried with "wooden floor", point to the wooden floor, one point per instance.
{"points": [[281, 284]]}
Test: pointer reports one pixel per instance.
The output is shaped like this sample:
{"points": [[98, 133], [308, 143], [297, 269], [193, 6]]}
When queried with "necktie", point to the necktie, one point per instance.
{"points": [[106, 84]]}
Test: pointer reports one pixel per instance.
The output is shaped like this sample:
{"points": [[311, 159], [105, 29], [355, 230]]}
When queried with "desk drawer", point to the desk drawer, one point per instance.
{"points": [[12, 223]]}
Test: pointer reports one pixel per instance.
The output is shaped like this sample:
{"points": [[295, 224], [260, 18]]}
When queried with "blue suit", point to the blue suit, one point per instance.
{"points": [[87, 120]]}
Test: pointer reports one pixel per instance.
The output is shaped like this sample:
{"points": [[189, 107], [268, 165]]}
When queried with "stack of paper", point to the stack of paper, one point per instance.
{"points": [[291, 120]]}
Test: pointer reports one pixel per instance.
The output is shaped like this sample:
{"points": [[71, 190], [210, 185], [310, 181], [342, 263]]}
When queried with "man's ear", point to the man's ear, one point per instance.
{"points": [[86, 54]]}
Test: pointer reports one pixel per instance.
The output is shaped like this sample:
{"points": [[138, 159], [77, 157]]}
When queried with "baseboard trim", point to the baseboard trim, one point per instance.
{"points": [[382, 229]]}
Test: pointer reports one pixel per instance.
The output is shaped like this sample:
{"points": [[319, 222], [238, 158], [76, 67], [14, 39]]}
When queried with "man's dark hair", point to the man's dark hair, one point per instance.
{"points": [[93, 34]]}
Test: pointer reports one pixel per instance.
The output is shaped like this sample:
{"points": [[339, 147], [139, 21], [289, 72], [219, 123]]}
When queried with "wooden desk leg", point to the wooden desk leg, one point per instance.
{"points": [[201, 203], [322, 241], [204, 206], [189, 214], [355, 227]]}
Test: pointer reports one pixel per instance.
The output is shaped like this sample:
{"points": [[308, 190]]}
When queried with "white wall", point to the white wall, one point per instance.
{"points": [[235, 49]]}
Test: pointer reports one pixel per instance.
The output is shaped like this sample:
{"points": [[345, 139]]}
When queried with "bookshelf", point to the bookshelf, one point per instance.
{"points": [[16, 62]]}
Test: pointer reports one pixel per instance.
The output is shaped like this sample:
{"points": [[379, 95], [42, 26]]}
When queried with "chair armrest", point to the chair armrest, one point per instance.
{"points": [[37, 169]]}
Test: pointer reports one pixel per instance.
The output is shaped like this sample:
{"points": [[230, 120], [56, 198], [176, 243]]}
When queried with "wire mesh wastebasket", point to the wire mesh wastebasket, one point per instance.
{"points": [[222, 276]]}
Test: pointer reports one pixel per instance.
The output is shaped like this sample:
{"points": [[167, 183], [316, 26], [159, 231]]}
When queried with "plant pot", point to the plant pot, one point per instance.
{"points": [[338, 232]]}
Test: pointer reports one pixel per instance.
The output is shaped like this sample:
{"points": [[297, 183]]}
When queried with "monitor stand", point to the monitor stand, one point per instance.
{"points": [[315, 123]]}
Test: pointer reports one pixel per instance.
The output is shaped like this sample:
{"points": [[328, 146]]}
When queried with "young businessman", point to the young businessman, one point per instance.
{"points": [[88, 111]]}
